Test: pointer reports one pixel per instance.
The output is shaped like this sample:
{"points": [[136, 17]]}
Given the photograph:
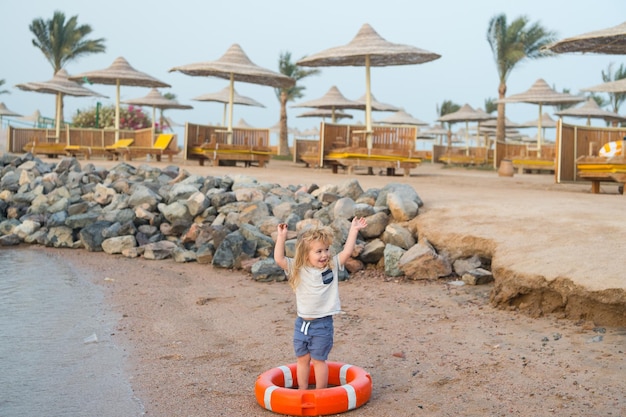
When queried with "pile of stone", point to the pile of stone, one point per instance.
{"points": [[226, 221]]}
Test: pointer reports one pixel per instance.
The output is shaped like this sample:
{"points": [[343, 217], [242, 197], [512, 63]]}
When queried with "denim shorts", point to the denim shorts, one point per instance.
{"points": [[314, 337]]}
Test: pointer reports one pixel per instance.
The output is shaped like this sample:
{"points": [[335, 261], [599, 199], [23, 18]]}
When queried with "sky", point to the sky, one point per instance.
{"points": [[155, 36]]}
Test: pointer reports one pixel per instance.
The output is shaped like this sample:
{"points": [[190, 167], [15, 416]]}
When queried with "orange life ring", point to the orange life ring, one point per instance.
{"points": [[611, 149], [349, 387]]}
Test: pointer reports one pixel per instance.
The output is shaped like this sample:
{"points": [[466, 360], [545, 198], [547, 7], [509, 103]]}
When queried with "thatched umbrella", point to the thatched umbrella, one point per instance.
{"points": [[156, 100], [540, 93], [618, 86], [59, 85], [611, 41], [376, 105], [244, 124], [119, 73], [466, 114], [223, 96], [323, 113], [4, 111], [368, 49], [333, 100], [591, 110], [401, 117], [235, 65]]}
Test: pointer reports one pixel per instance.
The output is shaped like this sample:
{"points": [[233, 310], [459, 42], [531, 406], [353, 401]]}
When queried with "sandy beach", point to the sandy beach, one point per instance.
{"points": [[197, 337]]}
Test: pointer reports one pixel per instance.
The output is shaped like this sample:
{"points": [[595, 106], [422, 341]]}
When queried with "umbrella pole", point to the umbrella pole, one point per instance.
{"points": [[230, 116], [333, 115], [117, 110], [368, 105], [539, 134], [466, 138], [224, 115], [153, 120], [58, 118]]}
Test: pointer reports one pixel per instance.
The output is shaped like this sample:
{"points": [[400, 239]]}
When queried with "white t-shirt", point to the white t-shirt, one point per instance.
{"points": [[317, 294]]}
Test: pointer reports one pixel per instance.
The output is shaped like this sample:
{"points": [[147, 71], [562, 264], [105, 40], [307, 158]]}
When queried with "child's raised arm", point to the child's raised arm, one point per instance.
{"points": [[279, 248], [358, 223]]}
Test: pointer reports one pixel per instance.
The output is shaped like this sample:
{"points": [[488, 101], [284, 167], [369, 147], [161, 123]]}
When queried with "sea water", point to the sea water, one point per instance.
{"points": [[56, 354]]}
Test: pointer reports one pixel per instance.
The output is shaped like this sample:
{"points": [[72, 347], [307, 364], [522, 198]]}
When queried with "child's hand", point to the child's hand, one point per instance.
{"points": [[282, 229], [359, 223]]}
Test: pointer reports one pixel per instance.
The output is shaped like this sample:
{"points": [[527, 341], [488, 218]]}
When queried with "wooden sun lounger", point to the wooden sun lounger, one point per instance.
{"points": [[219, 152], [90, 151], [388, 159], [530, 163], [160, 148], [598, 169], [50, 149]]}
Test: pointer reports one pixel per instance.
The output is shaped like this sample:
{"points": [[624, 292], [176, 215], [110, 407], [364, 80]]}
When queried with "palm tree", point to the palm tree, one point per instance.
{"points": [[490, 105], [284, 95], [163, 123], [615, 99], [62, 42], [512, 44], [3, 91], [447, 107]]}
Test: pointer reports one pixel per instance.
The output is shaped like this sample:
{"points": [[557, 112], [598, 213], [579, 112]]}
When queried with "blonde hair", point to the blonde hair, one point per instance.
{"points": [[303, 246]]}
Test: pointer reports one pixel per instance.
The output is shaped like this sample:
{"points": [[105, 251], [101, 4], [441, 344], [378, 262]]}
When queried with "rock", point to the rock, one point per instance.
{"points": [[422, 262], [92, 236], [376, 225], [373, 251], [266, 270], [397, 235], [392, 256], [461, 266], [159, 250], [477, 276], [118, 244], [344, 208], [10, 240]]}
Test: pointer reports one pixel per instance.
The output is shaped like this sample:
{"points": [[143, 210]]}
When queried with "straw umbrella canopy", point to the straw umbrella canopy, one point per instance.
{"points": [[60, 86], [610, 41], [369, 49], [401, 117], [223, 96], [32, 118], [244, 124], [323, 113], [376, 105], [541, 93], [310, 132], [618, 86], [333, 100], [4, 111], [493, 123], [591, 110], [120, 72], [235, 65], [156, 100]]}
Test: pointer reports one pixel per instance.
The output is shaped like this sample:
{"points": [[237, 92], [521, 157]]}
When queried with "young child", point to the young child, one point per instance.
{"points": [[313, 275]]}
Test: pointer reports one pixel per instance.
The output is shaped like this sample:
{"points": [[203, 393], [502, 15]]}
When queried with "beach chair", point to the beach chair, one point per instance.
{"points": [[162, 146], [50, 149], [89, 151]]}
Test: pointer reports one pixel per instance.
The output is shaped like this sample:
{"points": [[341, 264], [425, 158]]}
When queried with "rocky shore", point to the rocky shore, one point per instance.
{"points": [[228, 221]]}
